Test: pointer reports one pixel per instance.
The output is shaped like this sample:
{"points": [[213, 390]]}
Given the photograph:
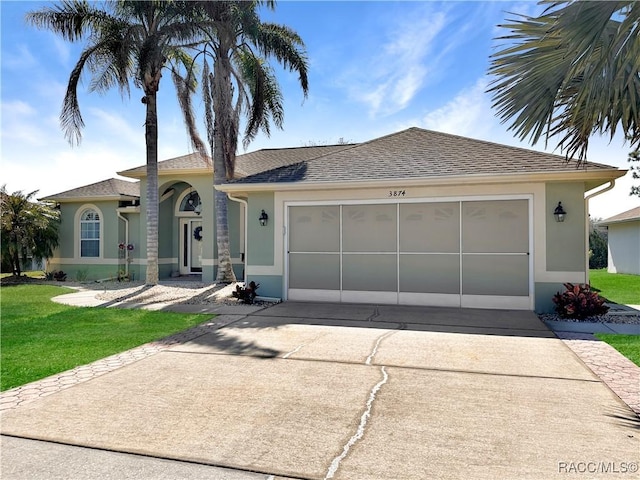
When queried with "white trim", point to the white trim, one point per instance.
{"points": [[263, 270], [176, 208], [213, 262], [76, 231], [304, 295], [575, 175], [496, 302], [356, 296], [85, 261], [433, 299]]}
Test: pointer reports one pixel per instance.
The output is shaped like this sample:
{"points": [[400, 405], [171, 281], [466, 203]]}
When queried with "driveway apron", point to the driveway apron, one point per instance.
{"points": [[319, 391]]}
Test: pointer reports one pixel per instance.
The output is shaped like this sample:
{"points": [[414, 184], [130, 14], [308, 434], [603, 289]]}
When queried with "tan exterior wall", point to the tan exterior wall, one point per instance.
{"points": [[566, 241], [551, 266]]}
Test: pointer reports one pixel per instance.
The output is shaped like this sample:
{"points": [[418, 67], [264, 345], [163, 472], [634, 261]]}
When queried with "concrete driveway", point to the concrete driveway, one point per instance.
{"points": [[324, 391]]}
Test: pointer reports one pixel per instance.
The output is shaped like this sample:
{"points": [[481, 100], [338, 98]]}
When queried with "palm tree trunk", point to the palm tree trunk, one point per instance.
{"points": [[151, 136], [225, 267], [223, 156]]}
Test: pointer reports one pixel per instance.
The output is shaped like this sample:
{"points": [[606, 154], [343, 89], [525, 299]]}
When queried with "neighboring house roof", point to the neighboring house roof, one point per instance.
{"points": [[417, 154], [112, 189], [628, 216]]}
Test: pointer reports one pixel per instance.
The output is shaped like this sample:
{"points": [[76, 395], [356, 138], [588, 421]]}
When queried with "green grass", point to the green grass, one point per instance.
{"points": [[616, 287], [40, 337], [627, 345]]}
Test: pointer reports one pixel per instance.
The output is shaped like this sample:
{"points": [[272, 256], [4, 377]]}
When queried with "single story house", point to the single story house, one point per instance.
{"points": [[624, 242], [416, 217]]}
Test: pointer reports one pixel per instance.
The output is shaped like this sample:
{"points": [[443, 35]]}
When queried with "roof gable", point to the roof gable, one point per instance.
{"points": [[112, 188]]}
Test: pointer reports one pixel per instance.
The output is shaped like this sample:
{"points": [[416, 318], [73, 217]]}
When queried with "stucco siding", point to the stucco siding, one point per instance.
{"points": [[261, 239], [544, 293], [624, 248], [565, 241], [270, 285]]}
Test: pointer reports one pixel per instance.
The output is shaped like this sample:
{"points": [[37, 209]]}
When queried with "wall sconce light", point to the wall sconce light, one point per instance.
{"points": [[264, 218], [559, 213], [198, 209]]}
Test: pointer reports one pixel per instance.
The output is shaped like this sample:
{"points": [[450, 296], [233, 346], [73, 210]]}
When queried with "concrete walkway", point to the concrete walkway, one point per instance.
{"points": [[332, 391]]}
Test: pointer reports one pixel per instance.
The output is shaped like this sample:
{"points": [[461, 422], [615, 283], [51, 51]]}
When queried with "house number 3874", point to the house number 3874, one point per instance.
{"points": [[397, 193]]}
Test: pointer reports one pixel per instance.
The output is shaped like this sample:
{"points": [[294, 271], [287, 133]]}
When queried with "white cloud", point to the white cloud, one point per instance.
{"points": [[62, 48], [18, 58], [467, 114], [114, 126], [389, 80]]}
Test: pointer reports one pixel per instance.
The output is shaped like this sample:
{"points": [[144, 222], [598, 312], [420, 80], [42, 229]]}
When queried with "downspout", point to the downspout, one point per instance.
{"points": [[612, 183], [246, 231], [126, 238]]}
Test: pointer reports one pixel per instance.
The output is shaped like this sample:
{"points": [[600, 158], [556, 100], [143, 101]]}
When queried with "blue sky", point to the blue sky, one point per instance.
{"points": [[375, 68]]}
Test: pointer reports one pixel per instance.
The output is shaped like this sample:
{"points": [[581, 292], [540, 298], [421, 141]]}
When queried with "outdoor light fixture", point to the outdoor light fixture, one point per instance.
{"points": [[559, 213], [264, 218]]}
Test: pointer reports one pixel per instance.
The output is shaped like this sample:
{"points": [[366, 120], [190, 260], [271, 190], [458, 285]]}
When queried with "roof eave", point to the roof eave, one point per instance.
{"points": [[592, 179], [615, 222], [90, 198], [164, 173]]}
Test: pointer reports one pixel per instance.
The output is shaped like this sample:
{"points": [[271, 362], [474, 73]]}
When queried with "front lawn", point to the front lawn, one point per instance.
{"points": [[40, 337], [628, 345], [616, 287]]}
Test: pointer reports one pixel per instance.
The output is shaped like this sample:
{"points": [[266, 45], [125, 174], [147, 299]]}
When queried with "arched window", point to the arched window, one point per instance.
{"points": [[191, 202], [90, 234]]}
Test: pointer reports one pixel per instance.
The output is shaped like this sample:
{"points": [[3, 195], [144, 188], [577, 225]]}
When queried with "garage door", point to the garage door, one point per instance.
{"points": [[449, 253]]}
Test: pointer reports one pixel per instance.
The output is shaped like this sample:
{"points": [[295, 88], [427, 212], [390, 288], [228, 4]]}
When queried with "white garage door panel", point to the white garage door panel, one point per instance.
{"points": [[453, 253]]}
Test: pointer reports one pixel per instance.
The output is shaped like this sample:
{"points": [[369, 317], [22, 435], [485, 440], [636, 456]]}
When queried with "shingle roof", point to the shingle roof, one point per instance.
{"points": [[112, 188], [629, 215], [269, 159], [191, 161], [418, 153], [246, 164]]}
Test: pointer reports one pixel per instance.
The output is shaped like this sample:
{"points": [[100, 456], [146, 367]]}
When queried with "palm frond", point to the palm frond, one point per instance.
{"points": [[570, 73]]}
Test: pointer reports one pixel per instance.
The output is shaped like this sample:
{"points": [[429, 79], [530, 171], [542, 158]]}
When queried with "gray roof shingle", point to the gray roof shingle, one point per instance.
{"points": [[111, 188], [191, 161], [417, 153]]}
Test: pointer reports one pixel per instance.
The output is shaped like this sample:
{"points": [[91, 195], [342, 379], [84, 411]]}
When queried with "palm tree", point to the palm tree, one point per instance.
{"points": [[27, 227], [241, 81], [126, 41], [571, 72]]}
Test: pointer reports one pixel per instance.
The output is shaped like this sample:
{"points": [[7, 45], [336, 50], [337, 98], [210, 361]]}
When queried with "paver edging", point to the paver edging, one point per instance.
{"points": [[18, 396], [615, 370]]}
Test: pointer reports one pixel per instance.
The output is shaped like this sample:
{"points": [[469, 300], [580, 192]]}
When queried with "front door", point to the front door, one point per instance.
{"points": [[190, 246]]}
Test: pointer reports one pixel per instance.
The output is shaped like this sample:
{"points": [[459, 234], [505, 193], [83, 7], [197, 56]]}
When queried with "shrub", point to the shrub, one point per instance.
{"points": [[246, 294], [82, 275], [60, 276], [579, 301]]}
